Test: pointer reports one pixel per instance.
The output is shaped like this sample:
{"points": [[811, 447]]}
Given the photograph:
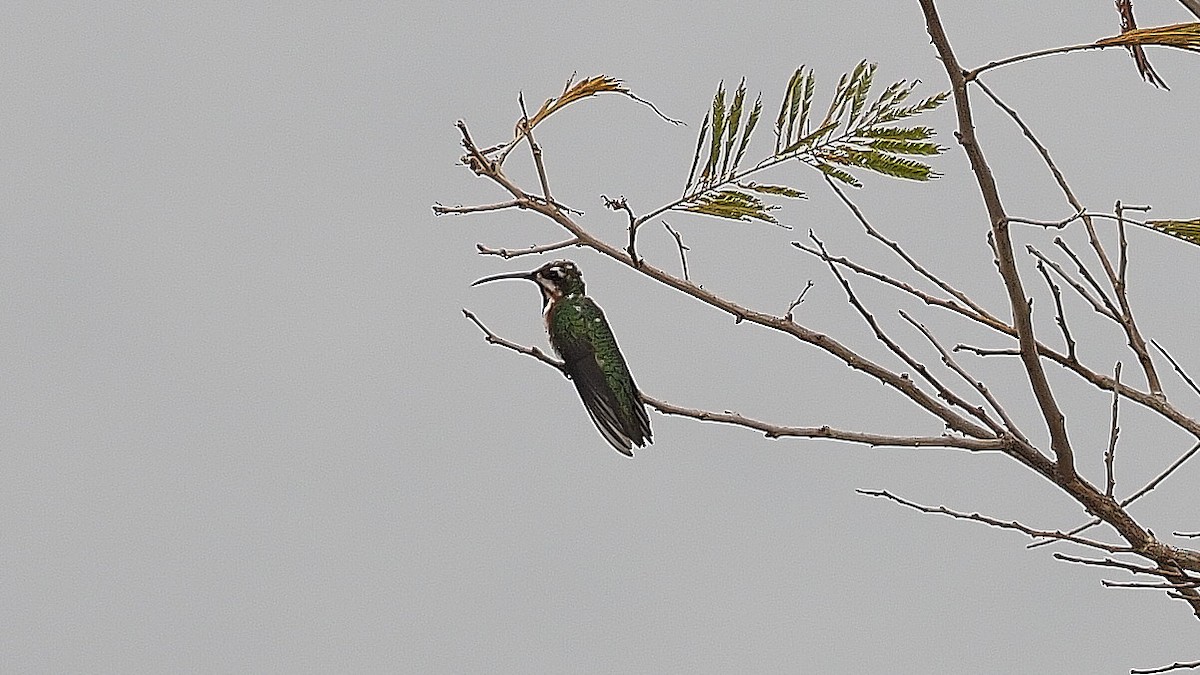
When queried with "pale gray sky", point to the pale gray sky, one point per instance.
{"points": [[247, 429]]}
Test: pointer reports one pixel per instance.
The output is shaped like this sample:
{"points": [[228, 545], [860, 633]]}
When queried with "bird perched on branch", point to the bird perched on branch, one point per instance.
{"points": [[581, 337]]}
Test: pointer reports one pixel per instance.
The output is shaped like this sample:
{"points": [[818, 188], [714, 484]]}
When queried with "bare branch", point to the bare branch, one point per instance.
{"points": [[973, 381], [507, 253], [527, 131], [932, 300], [536, 353], [972, 75], [1178, 369], [1162, 476], [944, 392], [1122, 245], [1087, 276], [1128, 23], [1113, 432], [1060, 315], [1104, 308], [1109, 562], [440, 210], [1136, 342], [1002, 524], [682, 250], [769, 430], [917, 267], [620, 204], [1055, 224], [799, 299], [985, 351], [1137, 495], [1157, 585], [1060, 443], [777, 431]]}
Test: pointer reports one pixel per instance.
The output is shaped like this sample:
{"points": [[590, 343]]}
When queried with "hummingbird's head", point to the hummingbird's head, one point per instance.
{"points": [[556, 279]]}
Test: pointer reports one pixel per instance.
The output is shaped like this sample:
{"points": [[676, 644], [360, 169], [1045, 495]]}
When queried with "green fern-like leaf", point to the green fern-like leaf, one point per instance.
{"points": [[733, 205], [789, 109], [1187, 230], [837, 174], [781, 190], [861, 85], [813, 138], [898, 147], [858, 132], [926, 105], [735, 120], [879, 162], [750, 124], [718, 131], [696, 159], [898, 133]]}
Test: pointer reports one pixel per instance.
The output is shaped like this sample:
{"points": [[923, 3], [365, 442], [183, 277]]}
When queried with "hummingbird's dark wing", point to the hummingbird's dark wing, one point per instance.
{"points": [[581, 336]]}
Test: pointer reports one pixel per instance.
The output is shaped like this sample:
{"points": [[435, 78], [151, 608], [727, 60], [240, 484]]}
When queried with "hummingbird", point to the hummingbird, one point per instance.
{"points": [[581, 337]]}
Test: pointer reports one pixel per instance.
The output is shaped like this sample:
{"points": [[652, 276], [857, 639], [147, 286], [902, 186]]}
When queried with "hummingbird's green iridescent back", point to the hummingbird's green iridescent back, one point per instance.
{"points": [[580, 335]]}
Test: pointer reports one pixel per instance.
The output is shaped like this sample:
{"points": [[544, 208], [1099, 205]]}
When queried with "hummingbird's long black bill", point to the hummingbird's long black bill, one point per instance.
{"points": [[511, 275]]}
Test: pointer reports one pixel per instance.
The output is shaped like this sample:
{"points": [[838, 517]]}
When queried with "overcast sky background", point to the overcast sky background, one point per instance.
{"points": [[247, 429]]}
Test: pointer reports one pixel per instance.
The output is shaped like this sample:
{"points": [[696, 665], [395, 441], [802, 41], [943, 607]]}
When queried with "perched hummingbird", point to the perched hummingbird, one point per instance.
{"points": [[580, 335]]}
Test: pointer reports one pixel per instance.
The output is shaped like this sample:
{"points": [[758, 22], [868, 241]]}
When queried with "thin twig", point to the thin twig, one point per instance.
{"points": [[1157, 585], [1136, 342], [527, 132], [944, 392], [507, 253], [986, 351], [929, 299], [769, 430], [975, 73], [971, 380], [799, 299], [1178, 369], [1113, 432], [682, 250], [909, 260], [1087, 276], [620, 204], [1162, 476], [440, 210], [1102, 308], [875, 440], [1122, 246], [536, 353], [1109, 562], [1060, 315], [1054, 224], [1003, 524]]}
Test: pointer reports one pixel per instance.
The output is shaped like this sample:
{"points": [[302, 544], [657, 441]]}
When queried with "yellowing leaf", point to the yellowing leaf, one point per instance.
{"points": [[1179, 35]]}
